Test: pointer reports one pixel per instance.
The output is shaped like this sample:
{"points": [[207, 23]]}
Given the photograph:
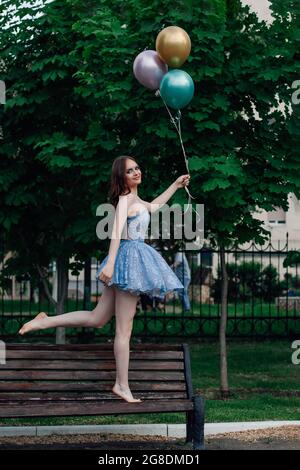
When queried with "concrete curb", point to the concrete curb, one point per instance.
{"points": [[167, 430]]}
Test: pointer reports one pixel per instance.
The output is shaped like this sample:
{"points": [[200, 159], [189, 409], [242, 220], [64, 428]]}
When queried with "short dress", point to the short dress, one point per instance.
{"points": [[139, 268]]}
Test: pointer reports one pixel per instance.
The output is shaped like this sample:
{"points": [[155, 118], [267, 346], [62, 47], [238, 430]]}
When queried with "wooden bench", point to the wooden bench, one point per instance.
{"points": [[76, 379]]}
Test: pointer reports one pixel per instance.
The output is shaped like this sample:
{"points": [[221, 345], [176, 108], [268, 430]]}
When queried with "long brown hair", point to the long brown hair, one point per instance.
{"points": [[117, 181]]}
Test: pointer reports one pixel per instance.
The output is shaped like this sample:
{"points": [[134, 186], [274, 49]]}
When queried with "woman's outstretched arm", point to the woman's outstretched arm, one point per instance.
{"points": [[159, 201]]}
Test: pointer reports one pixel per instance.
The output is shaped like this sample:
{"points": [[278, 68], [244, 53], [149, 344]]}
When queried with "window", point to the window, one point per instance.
{"points": [[276, 217]]}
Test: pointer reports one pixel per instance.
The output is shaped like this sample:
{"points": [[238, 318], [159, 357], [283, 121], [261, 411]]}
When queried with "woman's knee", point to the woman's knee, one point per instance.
{"points": [[94, 321], [124, 330]]}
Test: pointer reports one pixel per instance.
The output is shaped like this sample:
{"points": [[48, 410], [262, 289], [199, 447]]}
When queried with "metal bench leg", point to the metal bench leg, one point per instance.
{"points": [[189, 427], [198, 423]]}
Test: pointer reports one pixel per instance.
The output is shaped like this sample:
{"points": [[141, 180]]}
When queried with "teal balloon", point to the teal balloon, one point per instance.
{"points": [[177, 88]]}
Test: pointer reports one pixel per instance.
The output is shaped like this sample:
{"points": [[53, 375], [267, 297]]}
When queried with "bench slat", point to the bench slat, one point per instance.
{"points": [[90, 355], [82, 396], [91, 347], [86, 375], [11, 409], [28, 387], [91, 365]]}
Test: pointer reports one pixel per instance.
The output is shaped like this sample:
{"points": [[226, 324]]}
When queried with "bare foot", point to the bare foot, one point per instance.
{"points": [[34, 324], [125, 393]]}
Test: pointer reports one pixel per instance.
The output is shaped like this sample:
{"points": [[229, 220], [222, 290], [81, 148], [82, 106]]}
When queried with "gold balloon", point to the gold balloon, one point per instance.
{"points": [[173, 45]]}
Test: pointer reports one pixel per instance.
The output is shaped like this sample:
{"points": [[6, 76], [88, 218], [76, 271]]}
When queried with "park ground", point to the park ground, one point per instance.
{"points": [[282, 438]]}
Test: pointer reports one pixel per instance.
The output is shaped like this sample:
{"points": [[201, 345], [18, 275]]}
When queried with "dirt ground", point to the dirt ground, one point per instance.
{"points": [[277, 438], [283, 438]]}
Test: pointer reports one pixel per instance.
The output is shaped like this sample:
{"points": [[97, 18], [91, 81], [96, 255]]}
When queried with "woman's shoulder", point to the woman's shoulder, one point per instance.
{"points": [[126, 195], [125, 200]]}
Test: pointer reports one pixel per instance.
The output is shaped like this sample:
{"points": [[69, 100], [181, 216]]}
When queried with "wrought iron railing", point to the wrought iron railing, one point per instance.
{"points": [[263, 298]]}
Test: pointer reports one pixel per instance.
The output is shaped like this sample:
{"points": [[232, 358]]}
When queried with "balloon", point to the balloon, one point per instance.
{"points": [[173, 45], [149, 69], [177, 88]]}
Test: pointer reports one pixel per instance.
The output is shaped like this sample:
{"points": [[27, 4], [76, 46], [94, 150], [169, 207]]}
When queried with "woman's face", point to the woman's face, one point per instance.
{"points": [[133, 174]]}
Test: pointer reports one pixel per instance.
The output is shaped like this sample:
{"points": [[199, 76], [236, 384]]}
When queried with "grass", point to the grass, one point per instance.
{"points": [[263, 381]]}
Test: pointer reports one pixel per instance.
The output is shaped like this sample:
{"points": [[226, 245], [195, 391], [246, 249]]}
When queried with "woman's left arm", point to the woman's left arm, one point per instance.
{"points": [[159, 201]]}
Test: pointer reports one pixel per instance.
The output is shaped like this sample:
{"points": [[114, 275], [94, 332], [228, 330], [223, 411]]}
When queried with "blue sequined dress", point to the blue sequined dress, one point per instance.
{"points": [[139, 268]]}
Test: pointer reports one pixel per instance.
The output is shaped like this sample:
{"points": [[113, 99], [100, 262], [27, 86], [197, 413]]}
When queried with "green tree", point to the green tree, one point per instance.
{"points": [[249, 163], [50, 176]]}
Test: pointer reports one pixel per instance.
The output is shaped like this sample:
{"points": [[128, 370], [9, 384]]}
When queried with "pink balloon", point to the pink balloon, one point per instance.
{"points": [[149, 69]]}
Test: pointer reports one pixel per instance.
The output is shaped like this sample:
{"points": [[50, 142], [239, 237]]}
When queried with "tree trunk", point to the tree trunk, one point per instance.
{"points": [[87, 285], [60, 290], [62, 266], [224, 388], [88, 333]]}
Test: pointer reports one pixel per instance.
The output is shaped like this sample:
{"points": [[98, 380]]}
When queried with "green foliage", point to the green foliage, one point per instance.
{"points": [[292, 259], [248, 281], [73, 105]]}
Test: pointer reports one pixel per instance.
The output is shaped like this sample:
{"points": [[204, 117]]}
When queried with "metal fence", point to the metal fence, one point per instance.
{"points": [[263, 298]]}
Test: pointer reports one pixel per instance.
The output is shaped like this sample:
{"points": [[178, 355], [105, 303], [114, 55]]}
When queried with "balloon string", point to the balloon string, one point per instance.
{"points": [[181, 142], [178, 129]]}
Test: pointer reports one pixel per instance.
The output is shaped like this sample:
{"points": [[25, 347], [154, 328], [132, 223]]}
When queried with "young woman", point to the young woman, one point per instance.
{"points": [[131, 267]]}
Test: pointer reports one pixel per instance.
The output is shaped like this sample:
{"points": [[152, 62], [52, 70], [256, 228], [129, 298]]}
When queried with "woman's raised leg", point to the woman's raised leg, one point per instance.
{"points": [[125, 311], [97, 318]]}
